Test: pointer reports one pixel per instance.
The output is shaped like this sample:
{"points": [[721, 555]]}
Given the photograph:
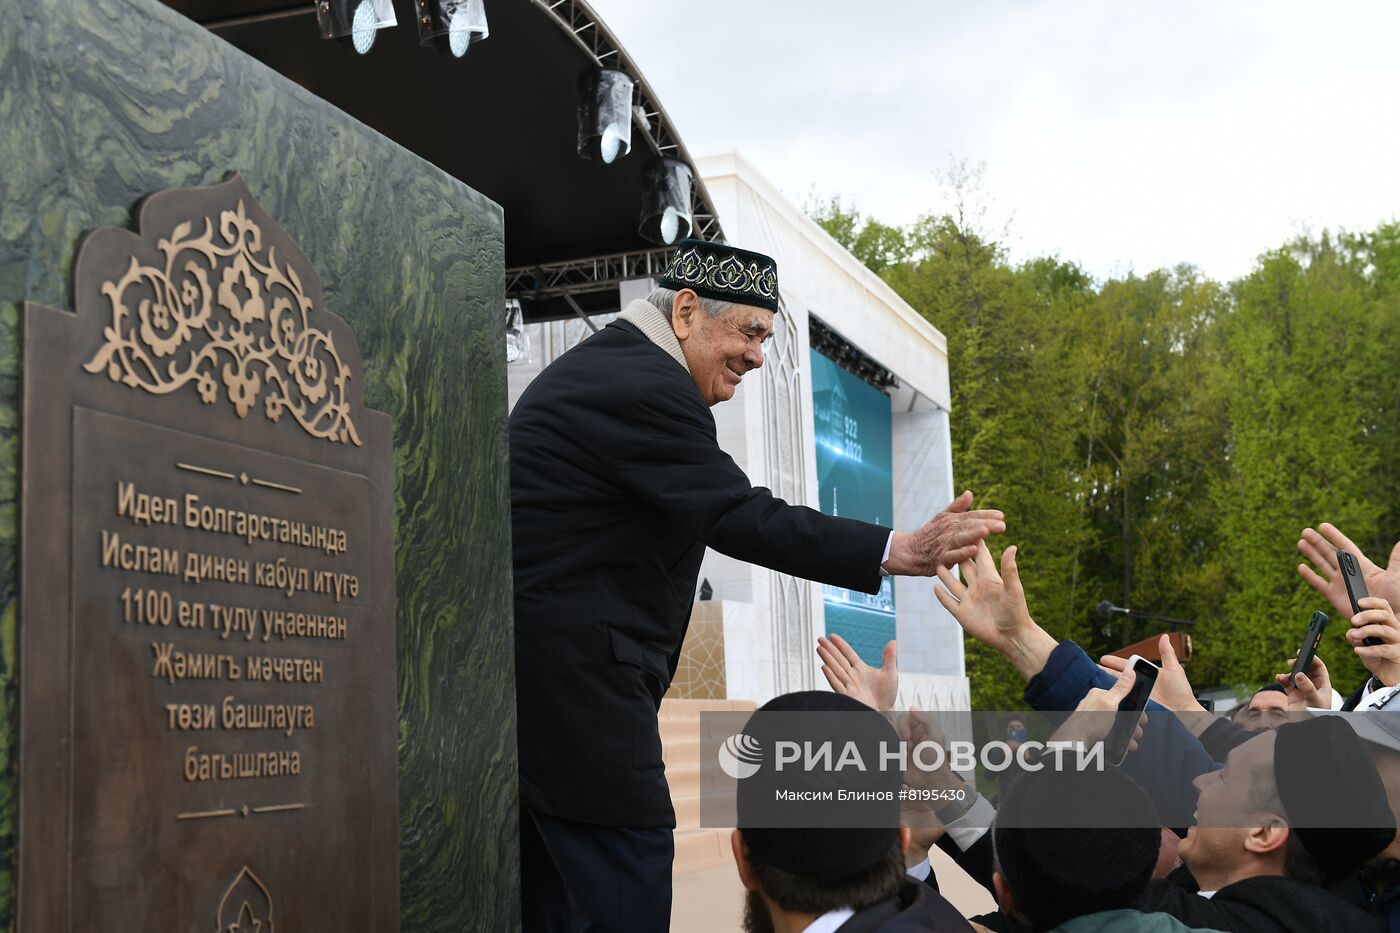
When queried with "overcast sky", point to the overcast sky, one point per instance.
{"points": [[1123, 136]]}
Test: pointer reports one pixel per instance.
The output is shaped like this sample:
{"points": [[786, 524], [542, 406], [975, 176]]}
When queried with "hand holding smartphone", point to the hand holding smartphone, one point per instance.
{"points": [[1129, 710], [1350, 569], [1310, 642]]}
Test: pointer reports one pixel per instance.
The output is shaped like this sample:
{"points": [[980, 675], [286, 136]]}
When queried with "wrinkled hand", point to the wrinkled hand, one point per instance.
{"points": [[1377, 620], [915, 728], [852, 677], [991, 607], [1173, 688], [1320, 548], [1091, 720], [950, 537], [1312, 689], [921, 839], [920, 816]]}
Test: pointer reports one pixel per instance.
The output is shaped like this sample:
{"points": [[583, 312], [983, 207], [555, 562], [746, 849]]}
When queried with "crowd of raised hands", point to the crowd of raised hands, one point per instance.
{"points": [[1191, 762], [989, 602], [990, 605]]}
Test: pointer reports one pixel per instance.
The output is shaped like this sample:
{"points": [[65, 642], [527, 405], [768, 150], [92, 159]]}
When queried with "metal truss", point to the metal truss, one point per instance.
{"points": [[843, 353], [577, 276], [577, 19]]}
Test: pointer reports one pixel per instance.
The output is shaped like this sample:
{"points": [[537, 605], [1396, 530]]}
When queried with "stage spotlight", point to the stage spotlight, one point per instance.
{"points": [[355, 21], [604, 114], [452, 25], [666, 201]]}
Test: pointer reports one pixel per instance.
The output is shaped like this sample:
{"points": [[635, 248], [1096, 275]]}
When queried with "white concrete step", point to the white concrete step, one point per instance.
{"points": [[699, 849]]}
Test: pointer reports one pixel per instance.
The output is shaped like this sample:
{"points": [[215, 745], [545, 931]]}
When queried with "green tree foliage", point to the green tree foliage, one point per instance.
{"points": [[877, 245], [1160, 440]]}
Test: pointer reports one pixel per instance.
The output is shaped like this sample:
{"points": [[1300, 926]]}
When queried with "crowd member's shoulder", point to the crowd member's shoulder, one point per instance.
{"points": [[1223, 736], [916, 907], [998, 922], [1267, 905], [1129, 921]]}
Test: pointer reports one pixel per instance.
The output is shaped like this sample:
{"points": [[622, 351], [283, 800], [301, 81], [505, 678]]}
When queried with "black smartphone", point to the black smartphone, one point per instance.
{"points": [[1310, 642], [1130, 710], [1356, 586]]}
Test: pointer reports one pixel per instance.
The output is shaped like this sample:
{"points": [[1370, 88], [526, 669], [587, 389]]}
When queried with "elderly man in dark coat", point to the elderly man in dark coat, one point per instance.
{"points": [[618, 485]]}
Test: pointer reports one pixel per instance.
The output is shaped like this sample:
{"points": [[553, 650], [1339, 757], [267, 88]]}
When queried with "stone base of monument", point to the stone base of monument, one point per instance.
{"points": [[697, 847]]}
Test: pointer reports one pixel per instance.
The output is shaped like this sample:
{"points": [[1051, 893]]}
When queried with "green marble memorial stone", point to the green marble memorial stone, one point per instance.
{"points": [[103, 102]]}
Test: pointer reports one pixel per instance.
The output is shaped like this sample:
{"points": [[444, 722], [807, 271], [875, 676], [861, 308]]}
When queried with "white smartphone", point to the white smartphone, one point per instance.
{"points": [[1130, 710]]}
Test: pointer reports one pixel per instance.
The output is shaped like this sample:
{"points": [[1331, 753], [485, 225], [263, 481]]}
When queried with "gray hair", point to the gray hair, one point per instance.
{"points": [[664, 299]]}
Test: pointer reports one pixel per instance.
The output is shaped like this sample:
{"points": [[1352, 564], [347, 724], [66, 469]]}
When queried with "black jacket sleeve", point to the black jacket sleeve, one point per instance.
{"points": [[1222, 736], [671, 459]]}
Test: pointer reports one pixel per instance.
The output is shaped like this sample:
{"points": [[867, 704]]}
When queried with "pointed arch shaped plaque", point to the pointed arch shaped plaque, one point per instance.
{"points": [[207, 609]]}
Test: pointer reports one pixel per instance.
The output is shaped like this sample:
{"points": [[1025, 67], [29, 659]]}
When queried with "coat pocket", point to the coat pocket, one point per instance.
{"points": [[651, 661]]}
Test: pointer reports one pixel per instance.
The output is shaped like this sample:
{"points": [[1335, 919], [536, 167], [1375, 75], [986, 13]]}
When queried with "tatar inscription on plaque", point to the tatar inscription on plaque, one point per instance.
{"points": [[208, 729]]}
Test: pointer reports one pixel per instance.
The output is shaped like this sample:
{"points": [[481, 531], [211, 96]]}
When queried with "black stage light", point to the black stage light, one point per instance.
{"points": [[355, 22], [666, 201], [452, 25], [604, 114]]}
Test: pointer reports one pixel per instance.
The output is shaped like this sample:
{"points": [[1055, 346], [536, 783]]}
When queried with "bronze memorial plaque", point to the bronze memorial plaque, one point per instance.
{"points": [[208, 736]]}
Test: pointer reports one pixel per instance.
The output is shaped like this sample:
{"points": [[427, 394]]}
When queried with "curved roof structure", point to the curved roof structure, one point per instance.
{"points": [[502, 119]]}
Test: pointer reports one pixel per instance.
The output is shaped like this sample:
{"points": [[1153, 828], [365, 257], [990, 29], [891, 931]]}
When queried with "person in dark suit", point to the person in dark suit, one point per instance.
{"points": [[618, 485]]}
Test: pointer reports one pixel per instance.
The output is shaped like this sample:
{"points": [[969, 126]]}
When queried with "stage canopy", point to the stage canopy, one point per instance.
{"points": [[503, 120]]}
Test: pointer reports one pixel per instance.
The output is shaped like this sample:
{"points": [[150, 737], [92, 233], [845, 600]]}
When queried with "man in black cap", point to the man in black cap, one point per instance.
{"points": [[1266, 709], [618, 485], [1075, 852], [1293, 811], [1377, 885], [823, 866]]}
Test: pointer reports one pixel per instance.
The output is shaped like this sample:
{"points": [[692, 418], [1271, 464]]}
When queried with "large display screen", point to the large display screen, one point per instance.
{"points": [[855, 479]]}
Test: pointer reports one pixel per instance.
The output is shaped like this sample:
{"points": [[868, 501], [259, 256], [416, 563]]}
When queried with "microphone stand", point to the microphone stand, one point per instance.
{"points": [[1171, 623]]}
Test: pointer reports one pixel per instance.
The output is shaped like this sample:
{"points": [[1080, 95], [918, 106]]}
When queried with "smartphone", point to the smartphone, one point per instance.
{"points": [[1130, 710], [1310, 642], [1356, 586]]}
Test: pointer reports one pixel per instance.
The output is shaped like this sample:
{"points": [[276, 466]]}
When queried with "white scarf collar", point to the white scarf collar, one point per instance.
{"points": [[655, 326]]}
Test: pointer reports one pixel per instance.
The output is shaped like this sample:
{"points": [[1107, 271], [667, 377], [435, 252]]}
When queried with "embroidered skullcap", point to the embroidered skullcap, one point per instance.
{"points": [[724, 273]]}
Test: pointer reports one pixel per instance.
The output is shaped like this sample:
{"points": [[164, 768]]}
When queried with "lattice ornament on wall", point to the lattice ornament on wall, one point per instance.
{"points": [[791, 599]]}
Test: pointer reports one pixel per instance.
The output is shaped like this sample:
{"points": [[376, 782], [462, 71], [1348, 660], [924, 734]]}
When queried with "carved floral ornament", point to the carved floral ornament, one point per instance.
{"points": [[221, 314]]}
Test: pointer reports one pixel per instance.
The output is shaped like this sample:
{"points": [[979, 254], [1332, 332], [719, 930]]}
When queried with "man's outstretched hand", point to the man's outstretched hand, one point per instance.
{"points": [[852, 677], [1320, 548], [946, 540], [991, 607], [1090, 724], [1311, 689], [1173, 688]]}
